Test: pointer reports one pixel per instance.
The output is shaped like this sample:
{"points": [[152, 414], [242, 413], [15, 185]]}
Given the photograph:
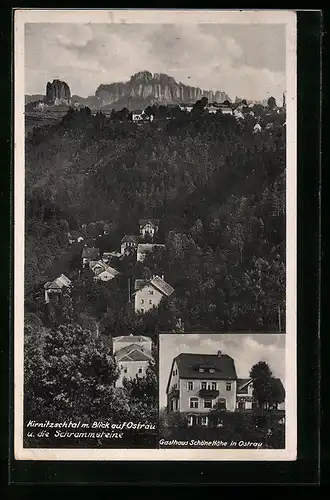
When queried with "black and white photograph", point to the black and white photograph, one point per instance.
{"points": [[222, 391], [154, 231]]}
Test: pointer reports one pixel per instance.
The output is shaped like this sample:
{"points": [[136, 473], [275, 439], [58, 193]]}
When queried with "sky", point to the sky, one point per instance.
{"points": [[243, 60], [245, 349]]}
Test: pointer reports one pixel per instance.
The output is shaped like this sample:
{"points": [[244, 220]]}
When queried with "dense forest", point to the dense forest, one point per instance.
{"points": [[218, 189]]}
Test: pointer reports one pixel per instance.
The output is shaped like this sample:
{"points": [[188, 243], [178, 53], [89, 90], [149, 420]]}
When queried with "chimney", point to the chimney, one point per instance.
{"points": [[162, 276], [219, 353]]}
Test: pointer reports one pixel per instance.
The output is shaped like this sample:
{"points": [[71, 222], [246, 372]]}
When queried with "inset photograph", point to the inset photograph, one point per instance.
{"points": [[222, 391]]}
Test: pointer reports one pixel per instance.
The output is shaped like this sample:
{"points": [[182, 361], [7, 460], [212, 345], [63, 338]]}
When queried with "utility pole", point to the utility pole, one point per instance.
{"points": [[129, 290]]}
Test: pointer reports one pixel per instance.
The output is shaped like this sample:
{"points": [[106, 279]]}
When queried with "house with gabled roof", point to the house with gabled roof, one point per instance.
{"points": [[129, 244], [244, 394], [133, 354], [149, 293], [198, 382], [148, 227], [56, 286], [102, 271], [88, 254], [144, 248]]}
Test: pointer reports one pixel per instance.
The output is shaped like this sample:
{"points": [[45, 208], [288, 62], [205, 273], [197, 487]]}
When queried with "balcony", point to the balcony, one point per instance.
{"points": [[208, 393]]}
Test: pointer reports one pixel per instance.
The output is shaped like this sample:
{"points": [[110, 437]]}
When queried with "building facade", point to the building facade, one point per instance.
{"points": [[199, 382], [128, 244], [148, 227], [56, 287], [133, 355], [149, 293]]}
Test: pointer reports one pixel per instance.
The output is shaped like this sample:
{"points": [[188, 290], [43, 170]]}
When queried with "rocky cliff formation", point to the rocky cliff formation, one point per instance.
{"points": [[57, 92], [157, 88]]}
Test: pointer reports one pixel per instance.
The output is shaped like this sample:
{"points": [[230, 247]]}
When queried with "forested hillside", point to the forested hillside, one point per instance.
{"points": [[217, 188]]}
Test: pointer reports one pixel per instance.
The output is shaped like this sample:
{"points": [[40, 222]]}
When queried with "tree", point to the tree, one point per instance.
{"points": [[271, 102], [267, 390], [71, 376]]}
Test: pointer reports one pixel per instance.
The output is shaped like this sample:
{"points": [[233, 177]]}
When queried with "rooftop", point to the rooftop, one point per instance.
{"points": [[59, 282], [189, 364], [133, 352], [130, 238], [162, 286], [154, 222]]}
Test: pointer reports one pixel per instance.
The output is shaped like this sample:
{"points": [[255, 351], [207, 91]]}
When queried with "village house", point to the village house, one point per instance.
{"points": [[257, 128], [198, 382], [102, 271], [88, 254], [137, 115], [75, 237], [129, 244], [144, 248], [148, 227], [186, 107], [238, 114], [244, 394], [133, 355], [149, 293], [225, 109], [55, 287]]}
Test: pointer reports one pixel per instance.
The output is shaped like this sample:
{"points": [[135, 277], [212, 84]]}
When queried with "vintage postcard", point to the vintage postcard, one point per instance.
{"points": [[155, 235]]}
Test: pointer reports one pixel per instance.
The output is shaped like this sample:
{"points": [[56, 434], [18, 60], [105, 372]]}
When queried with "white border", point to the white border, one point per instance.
{"points": [[288, 18]]}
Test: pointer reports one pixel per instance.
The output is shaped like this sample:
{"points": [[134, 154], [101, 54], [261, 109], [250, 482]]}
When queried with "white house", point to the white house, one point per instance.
{"points": [[102, 271], [149, 293], [129, 244], [257, 128], [133, 356], [198, 382], [137, 115], [56, 286], [148, 227]]}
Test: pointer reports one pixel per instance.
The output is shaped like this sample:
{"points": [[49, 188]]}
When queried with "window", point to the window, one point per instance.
{"points": [[208, 403], [203, 385], [214, 386], [142, 301], [174, 373], [175, 386], [190, 386], [228, 386], [176, 404], [212, 370], [151, 292], [204, 421], [201, 370], [150, 301], [125, 370], [222, 404], [193, 403], [190, 421], [254, 405], [142, 310], [241, 405], [140, 370]]}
